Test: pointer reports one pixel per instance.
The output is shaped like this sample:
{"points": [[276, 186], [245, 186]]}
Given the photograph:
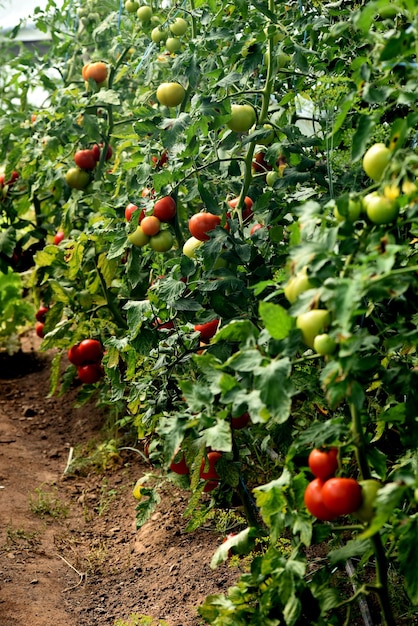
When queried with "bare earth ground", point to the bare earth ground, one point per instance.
{"points": [[88, 566]]}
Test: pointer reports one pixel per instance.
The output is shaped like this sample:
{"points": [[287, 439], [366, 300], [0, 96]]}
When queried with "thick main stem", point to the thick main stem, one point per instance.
{"points": [[381, 562]]}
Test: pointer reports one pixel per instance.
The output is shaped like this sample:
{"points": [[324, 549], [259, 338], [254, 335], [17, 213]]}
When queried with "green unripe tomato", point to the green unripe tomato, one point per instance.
{"points": [[388, 11], [312, 323], [138, 237], [270, 137], [324, 344], [190, 247], [144, 13], [354, 210], [271, 178], [155, 21], [242, 117], [162, 241], [173, 44], [283, 60], [178, 27], [369, 489], [77, 178], [158, 34], [375, 160], [296, 285], [131, 6], [380, 209], [170, 94]]}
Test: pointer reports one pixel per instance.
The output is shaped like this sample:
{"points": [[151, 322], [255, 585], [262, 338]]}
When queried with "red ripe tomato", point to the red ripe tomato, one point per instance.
{"points": [[74, 357], [147, 192], [165, 209], [207, 330], [96, 150], [89, 374], [248, 203], [85, 160], [90, 350], [39, 329], [210, 473], [315, 503], [160, 161], [260, 164], [342, 496], [179, 466], [241, 421], [255, 228], [201, 223], [58, 237], [323, 463], [164, 325], [247, 212], [130, 209], [41, 313]]}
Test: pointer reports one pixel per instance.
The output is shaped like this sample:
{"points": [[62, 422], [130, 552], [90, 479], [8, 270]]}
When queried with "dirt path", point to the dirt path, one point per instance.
{"points": [[85, 565]]}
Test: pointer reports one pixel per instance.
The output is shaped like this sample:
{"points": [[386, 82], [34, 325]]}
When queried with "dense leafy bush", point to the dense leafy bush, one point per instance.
{"points": [[303, 261]]}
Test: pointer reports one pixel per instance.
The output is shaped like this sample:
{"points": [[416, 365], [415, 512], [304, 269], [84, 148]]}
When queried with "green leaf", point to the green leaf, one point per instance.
{"points": [[146, 506], [218, 437], [276, 388], [7, 241], [245, 360], [241, 543], [353, 548], [362, 136], [408, 556], [276, 319], [242, 331]]}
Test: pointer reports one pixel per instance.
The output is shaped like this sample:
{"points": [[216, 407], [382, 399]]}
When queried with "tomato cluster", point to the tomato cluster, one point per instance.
{"points": [[40, 316], [6, 184], [87, 357], [149, 226], [207, 470], [327, 496]]}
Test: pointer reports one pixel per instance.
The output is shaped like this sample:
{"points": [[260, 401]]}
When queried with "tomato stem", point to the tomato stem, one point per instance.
{"points": [[381, 562]]}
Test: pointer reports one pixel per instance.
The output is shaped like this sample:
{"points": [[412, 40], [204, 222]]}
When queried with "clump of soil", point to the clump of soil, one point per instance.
{"points": [[70, 554]]}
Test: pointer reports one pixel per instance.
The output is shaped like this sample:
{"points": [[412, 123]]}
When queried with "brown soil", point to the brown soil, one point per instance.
{"points": [[85, 565]]}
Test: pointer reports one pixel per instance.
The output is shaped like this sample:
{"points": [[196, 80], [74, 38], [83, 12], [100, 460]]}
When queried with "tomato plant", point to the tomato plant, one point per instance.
{"points": [[309, 112]]}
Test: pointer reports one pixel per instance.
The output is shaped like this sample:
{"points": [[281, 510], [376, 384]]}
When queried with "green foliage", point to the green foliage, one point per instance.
{"points": [[15, 311], [327, 81]]}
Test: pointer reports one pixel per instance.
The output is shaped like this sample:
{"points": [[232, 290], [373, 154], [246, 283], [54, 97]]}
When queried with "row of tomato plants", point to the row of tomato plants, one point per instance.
{"points": [[279, 319]]}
